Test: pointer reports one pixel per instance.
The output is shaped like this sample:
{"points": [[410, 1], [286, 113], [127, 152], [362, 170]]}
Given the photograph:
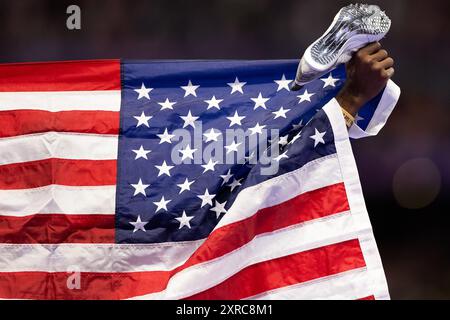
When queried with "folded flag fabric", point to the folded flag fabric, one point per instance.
{"points": [[182, 180]]}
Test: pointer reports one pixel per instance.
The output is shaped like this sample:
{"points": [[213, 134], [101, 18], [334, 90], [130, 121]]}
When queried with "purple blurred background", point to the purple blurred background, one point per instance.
{"points": [[404, 170]]}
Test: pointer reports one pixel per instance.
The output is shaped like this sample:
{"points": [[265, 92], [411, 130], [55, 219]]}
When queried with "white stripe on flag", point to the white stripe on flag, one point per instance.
{"points": [[53, 101], [314, 175], [95, 257], [58, 145], [57, 199]]}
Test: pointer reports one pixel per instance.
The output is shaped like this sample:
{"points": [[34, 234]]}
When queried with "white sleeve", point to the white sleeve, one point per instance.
{"points": [[384, 109]]}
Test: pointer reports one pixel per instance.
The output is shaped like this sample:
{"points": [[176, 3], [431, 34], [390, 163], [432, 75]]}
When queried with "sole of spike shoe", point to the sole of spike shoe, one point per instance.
{"points": [[353, 27]]}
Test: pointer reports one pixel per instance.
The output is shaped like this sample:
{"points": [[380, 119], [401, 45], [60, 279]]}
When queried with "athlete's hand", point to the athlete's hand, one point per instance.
{"points": [[367, 74]]}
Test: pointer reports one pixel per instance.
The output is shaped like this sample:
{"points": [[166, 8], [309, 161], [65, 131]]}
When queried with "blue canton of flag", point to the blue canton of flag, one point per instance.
{"points": [[162, 201]]}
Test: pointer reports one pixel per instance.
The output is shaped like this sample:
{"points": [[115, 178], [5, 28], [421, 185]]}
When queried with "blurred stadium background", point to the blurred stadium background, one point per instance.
{"points": [[405, 170]]}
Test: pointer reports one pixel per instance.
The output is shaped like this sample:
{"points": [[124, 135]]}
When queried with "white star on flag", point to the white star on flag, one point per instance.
{"points": [[185, 186], [190, 89], [165, 137], [143, 92], [139, 188], [281, 156], [211, 135], [206, 198], [166, 105], [185, 220], [281, 113], [295, 138], [283, 83], [141, 153], [330, 81], [233, 147], [237, 86], [226, 177], [219, 208], [318, 137], [306, 96], [142, 119], [139, 224], [256, 129], [189, 120], [235, 184], [260, 102], [164, 169], [187, 153], [209, 166], [213, 103], [298, 125], [236, 119], [162, 204], [283, 140]]}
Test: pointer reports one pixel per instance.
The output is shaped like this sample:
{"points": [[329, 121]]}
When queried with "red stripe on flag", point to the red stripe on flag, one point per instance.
{"points": [[368, 298], [20, 122], [93, 286], [57, 228], [41, 173], [305, 207], [86, 75], [293, 269], [286, 271]]}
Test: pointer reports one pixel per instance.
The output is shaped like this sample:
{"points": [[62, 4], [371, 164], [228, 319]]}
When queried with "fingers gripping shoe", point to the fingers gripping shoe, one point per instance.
{"points": [[353, 27]]}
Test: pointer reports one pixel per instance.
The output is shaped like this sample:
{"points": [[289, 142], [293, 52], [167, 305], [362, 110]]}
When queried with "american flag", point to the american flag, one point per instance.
{"points": [[95, 204]]}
